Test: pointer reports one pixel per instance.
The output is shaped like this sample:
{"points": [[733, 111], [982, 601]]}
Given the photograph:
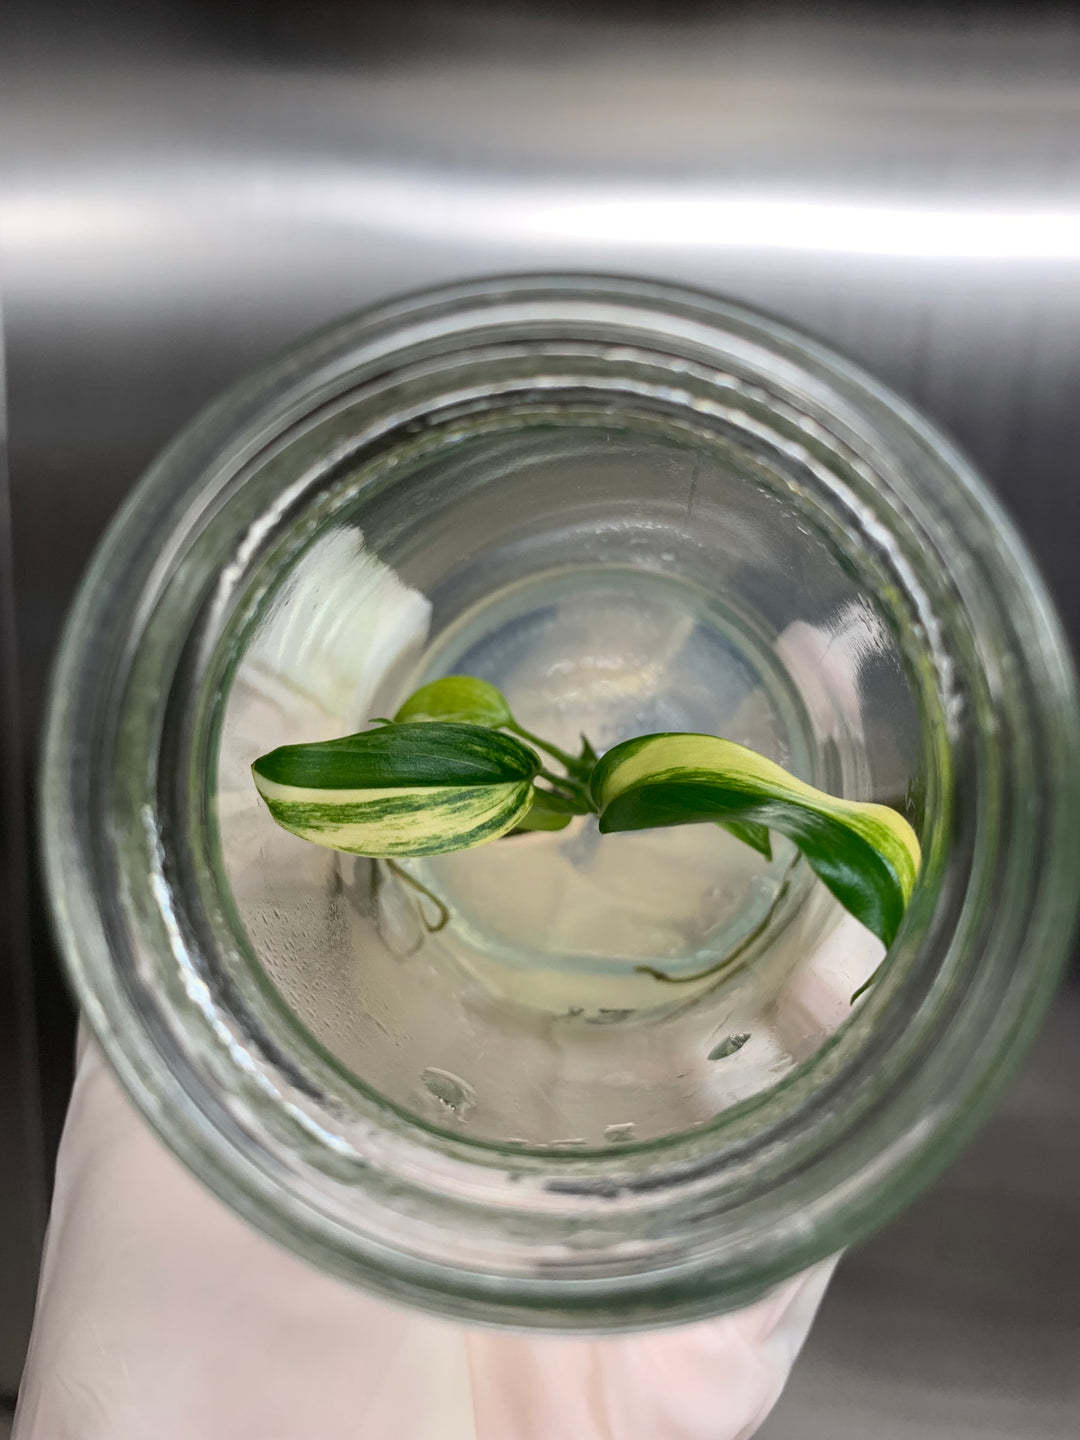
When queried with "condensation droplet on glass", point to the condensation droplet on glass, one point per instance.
{"points": [[456, 1094], [619, 1134]]}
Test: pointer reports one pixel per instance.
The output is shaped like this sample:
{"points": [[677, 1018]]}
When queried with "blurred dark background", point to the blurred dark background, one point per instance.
{"points": [[186, 188]]}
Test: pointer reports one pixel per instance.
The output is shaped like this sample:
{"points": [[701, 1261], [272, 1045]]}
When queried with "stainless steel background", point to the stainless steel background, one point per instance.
{"points": [[187, 187]]}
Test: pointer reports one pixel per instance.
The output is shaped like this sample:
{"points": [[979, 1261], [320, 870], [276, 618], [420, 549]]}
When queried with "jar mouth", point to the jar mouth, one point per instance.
{"points": [[653, 1229]]}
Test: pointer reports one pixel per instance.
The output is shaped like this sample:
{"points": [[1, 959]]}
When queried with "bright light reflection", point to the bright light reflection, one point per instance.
{"points": [[45, 222], [664, 217], [199, 205], [842, 228]]}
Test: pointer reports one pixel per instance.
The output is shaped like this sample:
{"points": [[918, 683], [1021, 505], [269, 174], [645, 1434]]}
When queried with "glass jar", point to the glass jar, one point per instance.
{"points": [[623, 1086]]}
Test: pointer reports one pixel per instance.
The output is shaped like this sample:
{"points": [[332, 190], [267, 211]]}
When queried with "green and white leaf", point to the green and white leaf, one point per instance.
{"points": [[402, 789], [461, 699], [867, 854]]}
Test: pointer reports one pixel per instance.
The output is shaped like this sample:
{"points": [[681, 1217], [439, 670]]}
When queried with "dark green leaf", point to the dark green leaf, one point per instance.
{"points": [[549, 812], [756, 836]]}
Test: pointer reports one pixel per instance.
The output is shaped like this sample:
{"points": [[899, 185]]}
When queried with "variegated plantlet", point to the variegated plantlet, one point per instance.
{"points": [[455, 769]]}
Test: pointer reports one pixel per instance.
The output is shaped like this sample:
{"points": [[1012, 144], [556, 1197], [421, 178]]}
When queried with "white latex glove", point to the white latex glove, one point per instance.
{"points": [[162, 1316]]}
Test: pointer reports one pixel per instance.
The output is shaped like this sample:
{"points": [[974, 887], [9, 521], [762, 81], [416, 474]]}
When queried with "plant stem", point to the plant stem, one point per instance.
{"points": [[569, 786], [727, 960], [579, 769], [568, 789], [867, 983], [421, 889], [562, 782]]}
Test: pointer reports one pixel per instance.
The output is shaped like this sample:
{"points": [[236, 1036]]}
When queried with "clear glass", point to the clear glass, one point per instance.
{"points": [[625, 1084]]}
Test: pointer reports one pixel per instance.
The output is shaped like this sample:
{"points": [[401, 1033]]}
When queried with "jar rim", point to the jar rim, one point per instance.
{"points": [[858, 1174]]}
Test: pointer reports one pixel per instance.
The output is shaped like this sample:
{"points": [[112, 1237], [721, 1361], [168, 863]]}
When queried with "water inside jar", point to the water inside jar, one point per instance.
{"points": [[574, 918], [588, 990]]}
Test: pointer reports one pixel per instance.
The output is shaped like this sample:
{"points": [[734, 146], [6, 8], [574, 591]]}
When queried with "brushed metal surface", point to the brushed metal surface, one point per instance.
{"points": [[961, 1320], [185, 188], [22, 1157]]}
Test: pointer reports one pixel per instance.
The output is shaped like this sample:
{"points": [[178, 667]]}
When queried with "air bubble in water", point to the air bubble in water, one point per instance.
{"points": [[728, 1046]]}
